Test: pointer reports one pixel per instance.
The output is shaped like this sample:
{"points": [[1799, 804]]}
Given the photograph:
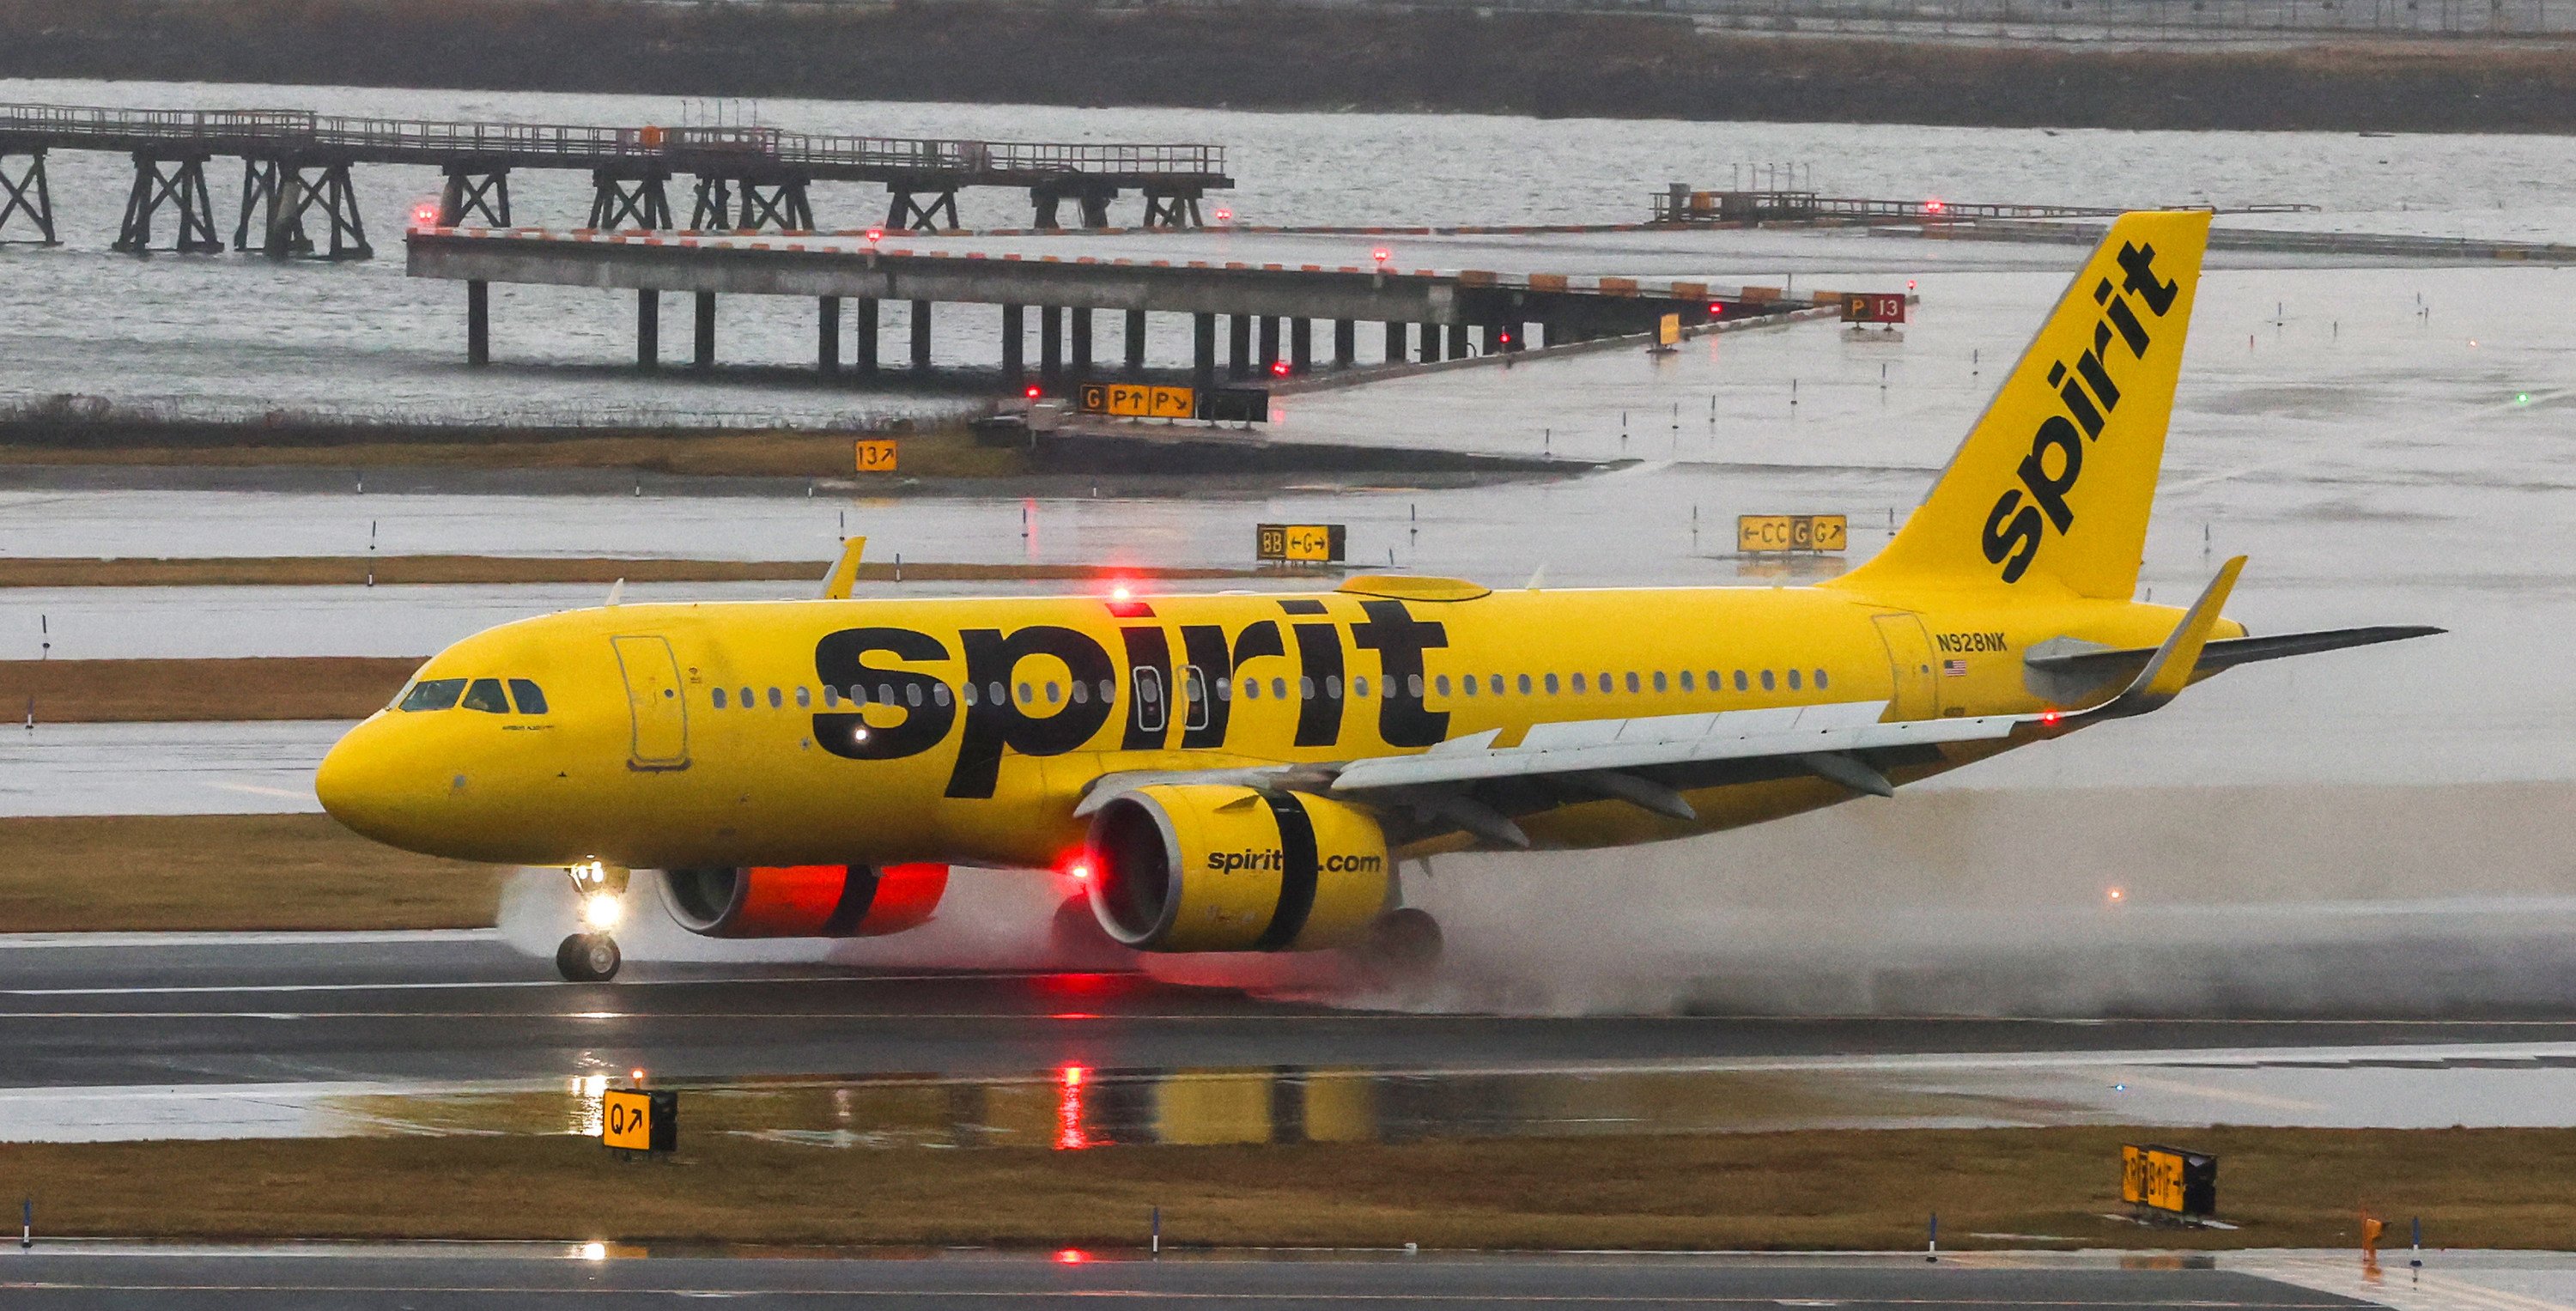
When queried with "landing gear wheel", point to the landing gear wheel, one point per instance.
{"points": [[588, 958], [1403, 945]]}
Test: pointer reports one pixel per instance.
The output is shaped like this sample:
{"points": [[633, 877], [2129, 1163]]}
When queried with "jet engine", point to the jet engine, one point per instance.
{"points": [[803, 901], [1209, 867]]}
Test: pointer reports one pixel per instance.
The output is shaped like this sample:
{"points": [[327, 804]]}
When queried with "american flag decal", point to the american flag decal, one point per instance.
{"points": [[1955, 668]]}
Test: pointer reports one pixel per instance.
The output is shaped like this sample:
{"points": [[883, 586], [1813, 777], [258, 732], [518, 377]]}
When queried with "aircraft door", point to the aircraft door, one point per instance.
{"points": [[1149, 698], [653, 702], [1909, 658]]}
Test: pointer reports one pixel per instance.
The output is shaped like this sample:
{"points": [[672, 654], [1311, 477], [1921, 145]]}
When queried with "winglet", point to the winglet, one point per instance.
{"points": [[845, 573], [2170, 669]]}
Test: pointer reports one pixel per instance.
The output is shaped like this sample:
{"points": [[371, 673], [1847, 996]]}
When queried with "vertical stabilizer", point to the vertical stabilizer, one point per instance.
{"points": [[2052, 487]]}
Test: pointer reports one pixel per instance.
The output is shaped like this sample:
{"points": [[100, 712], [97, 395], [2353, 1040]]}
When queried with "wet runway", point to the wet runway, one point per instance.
{"points": [[317, 1277], [162, 1010]]}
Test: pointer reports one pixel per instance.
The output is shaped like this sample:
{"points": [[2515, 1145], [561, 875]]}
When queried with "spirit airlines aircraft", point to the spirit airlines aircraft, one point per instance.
{"points": [[1243, 772]]}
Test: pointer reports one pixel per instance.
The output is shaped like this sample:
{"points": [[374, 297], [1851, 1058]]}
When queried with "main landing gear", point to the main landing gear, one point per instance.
{"points": [[592, 957]]}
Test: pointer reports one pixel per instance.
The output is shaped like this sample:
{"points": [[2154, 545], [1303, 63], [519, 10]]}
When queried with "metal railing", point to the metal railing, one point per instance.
{"points": [[389, 140]]}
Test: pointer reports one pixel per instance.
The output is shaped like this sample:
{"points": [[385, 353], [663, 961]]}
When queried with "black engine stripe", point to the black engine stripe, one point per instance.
{"points": [[858, 896], [1297, 872]]}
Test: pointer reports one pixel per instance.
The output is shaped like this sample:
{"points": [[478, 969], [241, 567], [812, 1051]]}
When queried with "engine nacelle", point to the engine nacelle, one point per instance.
{"points": [[1207, 867], [803, 901]]}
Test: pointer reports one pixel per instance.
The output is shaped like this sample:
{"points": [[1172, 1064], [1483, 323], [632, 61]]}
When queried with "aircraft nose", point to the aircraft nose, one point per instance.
{"points": [[355, 782]]}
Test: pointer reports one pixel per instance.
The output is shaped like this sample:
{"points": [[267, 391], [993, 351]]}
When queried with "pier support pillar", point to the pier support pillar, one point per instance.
{"points": [[739, 204], [1172, 208], [1301, 345], [921, 336], [867, 338], [908, 213], [475, 188], [1135, 341], [277, 195], [1269, 343], [620, 200], [1203, 351], [26, 194], [1346, 343], [827, 336], [1081, 341], [1238, 346], [1050, 342], [1014, 338], [176, 181], [478, 322], [1395, 343], [648, 330], [1430, 352], [1458, 349], [706, 344]]}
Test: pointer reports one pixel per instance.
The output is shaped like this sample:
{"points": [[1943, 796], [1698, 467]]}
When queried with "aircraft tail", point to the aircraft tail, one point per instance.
{"points": [[2052, 487]]}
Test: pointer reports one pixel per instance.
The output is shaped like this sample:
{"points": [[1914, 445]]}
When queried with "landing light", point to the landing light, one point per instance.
{"points": [[859, 734], [594, 1251], [600, 910], [2118, 895]]}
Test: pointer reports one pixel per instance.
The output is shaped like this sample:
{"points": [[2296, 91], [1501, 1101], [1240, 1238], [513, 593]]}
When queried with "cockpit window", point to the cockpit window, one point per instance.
{"points": [[433, 694], [531, 698], [486, 695]]}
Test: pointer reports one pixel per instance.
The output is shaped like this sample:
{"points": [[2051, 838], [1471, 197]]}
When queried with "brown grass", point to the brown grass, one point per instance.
{"points": [[1821, 1189], [68, 874], [328, 570], [264, 687], [760, 454]]}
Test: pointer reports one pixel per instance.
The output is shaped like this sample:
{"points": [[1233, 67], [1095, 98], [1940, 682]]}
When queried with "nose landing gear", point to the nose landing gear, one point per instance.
{"points": [[592, 957], [588, 958]]}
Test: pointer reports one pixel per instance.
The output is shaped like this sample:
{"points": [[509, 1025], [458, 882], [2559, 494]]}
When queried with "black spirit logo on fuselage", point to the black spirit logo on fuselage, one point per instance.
{"points": [[866, 664], [2014, 530]]}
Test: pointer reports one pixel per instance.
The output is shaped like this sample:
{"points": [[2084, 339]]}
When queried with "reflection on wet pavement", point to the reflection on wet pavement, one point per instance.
{"points": [[1075, 1108]]}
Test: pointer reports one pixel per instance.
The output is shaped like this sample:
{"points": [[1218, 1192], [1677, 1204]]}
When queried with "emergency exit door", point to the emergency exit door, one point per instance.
{"points": [[654, 703]]}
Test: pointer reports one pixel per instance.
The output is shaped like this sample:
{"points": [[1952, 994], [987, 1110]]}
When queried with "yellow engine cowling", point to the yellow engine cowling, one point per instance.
{"points": [[803, 901], [1207, 867]]}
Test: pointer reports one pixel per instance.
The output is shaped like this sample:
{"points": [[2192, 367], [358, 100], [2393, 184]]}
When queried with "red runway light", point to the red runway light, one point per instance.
{"points": [[1072, 1256], [424, 215], [1033, 393], [875, 235], [1073, 1076], [1279, 368], [1381, 254], [1934, 206]]}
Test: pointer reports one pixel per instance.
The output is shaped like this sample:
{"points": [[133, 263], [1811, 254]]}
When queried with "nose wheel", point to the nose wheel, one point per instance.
{"points": [[588, 958]]}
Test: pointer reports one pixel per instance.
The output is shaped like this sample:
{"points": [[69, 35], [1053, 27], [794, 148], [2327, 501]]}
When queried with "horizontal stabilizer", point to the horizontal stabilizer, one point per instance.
{"points": [[2228, 653]]}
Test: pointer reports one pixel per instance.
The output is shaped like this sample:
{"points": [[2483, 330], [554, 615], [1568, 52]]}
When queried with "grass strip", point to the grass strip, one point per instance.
{"points": [[347, 570], [1826, 1189], [135, 873], [170, 691]]}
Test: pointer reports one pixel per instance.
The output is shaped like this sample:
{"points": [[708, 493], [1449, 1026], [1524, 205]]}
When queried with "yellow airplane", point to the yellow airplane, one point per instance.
{"points": [[1243, 772]]}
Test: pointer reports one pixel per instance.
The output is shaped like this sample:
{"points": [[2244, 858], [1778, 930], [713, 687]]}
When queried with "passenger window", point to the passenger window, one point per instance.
{"points": [[1194, 687], [1333, 686], [1739, 680], [1525, 685], [746, 698], [719, 698], [885, 694], [1551, 685], [1027, 697], [972, 697], [1305, 688], [1793, 680], [1443, 684], [775, 700], [1359, 685], [804, 697], [1252, 689], [1149, 699], [912, 694], [1495, 686], [1766, 680], [1225, 689], [1279, 688], [486, 695], [939, 693], [1632, 680], [1108, 691], [831, 695], [1054, 693], [1603, 683], [1686, 682], [997, 692], [1413, 685], [1081, 692], [1468, 684], [1820, 680], [1660, 686], [433, 694]]}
